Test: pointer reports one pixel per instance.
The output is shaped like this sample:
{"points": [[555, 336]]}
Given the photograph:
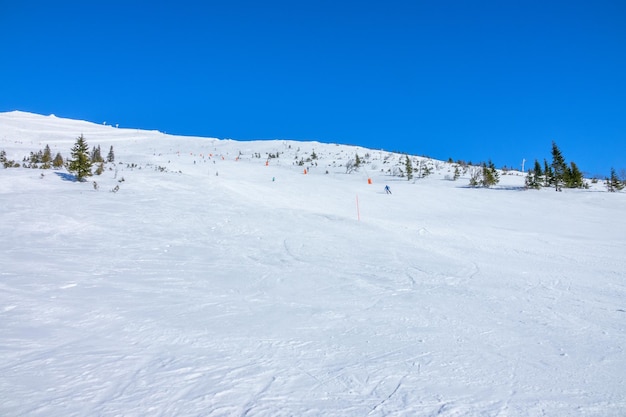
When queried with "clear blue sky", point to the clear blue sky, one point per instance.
{"points": [[471, 80]]}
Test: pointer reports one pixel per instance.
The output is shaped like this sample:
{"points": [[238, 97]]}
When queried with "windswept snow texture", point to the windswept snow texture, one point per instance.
{"points": [[212, 284]]}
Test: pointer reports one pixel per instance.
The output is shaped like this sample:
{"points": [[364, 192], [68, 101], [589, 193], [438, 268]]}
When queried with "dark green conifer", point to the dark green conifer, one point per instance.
{"points": [[613, 183], [574, 177], [548, 174], [490, 174], [96, 155], [80, 163], [559, 168], [409, 168], [534, 178]]}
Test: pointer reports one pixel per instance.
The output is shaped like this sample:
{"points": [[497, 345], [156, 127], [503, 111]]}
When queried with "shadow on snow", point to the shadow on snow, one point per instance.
{"points": [[66, 177]]}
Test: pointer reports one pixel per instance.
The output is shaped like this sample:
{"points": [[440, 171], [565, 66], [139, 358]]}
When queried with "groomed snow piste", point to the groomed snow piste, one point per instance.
{"points": [[212, 284]]}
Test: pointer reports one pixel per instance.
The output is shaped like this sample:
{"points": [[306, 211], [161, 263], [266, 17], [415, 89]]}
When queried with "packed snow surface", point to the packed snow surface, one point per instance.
{"points": [[219, 282]]}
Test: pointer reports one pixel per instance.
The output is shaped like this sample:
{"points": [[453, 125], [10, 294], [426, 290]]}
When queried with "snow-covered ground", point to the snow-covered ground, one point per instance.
{"points": [[212, 284]]}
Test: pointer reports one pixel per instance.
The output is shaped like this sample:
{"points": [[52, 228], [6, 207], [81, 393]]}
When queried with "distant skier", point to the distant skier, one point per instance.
{"points": [[387, 189]]}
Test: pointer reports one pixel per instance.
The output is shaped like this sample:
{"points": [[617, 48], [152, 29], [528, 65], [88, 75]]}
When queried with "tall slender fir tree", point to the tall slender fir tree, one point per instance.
{"points": [[409, 168], [547, 174], [559, 168], [111, 155], [613, 183]]}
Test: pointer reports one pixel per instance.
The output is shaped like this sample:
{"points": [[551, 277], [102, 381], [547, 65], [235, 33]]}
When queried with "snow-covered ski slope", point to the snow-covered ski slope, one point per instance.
{"points": [[212, 284]]}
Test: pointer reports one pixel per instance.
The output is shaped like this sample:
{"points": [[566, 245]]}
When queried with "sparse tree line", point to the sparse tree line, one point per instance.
{"points": [[559, 174], [80, 164], [411, 167], [41, 159], [482, 175]]}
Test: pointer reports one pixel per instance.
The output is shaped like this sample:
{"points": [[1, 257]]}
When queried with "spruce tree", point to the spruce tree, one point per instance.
{"points": [[80, 163], [457, 173], [534, 178], [57, 162], [538, 173], [490, 175], [574, 177], [111, 155], [476, 176], [96, 155], [409, 168], [548, 174], [35, 158], [559, 167], [46, 158], [6, 163], [613, 183], [485, 175]]}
